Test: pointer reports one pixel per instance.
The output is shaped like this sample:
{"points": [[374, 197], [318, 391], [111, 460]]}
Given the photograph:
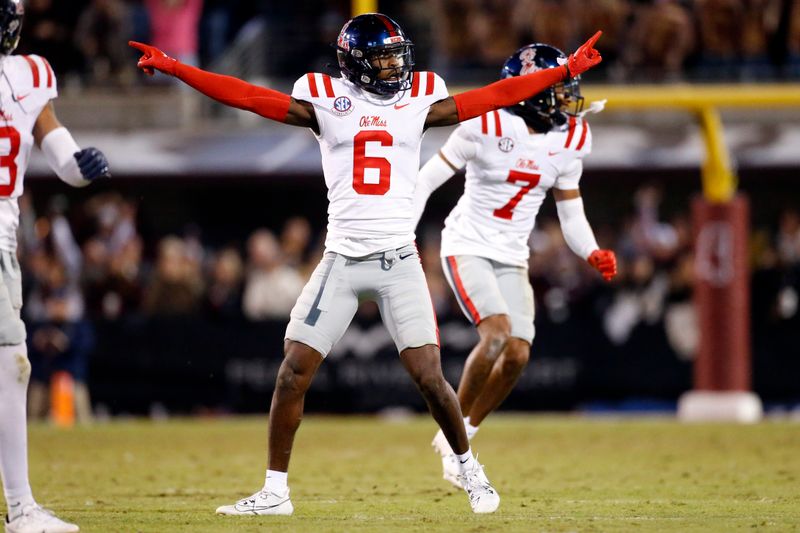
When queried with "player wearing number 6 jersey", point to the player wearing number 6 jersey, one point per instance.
{"points": [[369, 123], [513, 157], [27, 86]]}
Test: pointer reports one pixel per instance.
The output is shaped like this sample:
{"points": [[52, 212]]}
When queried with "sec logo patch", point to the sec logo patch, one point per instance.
{"points": [[506, 144], [342, 106]]}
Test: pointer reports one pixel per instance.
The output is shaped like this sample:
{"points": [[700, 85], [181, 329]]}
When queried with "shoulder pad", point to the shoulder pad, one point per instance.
{"points": [[312, 86], [40, 72], [577, 137], [428, 84]]}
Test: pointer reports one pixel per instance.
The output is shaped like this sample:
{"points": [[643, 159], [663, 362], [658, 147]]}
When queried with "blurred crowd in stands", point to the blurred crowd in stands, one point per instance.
{"points": [[88, 263], [464, 40]]}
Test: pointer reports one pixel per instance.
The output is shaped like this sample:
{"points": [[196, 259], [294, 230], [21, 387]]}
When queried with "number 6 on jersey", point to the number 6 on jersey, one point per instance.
{"points": [[361, 162]]}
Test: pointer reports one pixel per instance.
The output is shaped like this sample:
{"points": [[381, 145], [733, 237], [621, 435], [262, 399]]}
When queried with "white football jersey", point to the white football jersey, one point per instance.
{"points": [[27, 84], [370, 158], [509, 171]]}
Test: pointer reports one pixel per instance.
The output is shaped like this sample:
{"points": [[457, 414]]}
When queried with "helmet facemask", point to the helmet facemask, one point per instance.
{"points": [[552, 107], [383, 70]]}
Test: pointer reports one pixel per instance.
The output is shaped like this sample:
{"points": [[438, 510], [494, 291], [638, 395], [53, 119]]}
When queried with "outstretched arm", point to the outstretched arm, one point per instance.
{"points": [[230, 91], [579, 235], [511, 91], [71, 164]]}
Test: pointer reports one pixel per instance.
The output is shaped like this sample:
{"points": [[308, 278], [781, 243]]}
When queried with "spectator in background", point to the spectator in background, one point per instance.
{"points": [[215, 24], [112, 273], [116, 221], [719, 23], [176, 286], [789, 238], [661, 39], [759, 27], [612, 16], [488, 27], [101, 33], [174, 27], [59, 339], [545, 21], [115, 288], [680, 317], [648, 235], [223, 298], [272, 287], [295, 240], [47, 30], [792, 38]]}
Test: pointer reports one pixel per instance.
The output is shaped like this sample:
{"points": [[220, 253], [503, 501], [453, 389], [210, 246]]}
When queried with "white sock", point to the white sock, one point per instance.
{"points": [[276, 481], [15, 371], [466, 461], [471, 430]]}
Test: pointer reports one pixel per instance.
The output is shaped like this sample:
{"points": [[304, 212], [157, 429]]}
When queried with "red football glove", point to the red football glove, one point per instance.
{"points": [[585, 57], [154, 59], [605, 262]]}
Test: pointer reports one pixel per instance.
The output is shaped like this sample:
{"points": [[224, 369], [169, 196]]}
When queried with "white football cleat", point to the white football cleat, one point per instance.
{"points": [[482, 496], [33, 518], [260, 503], [450, 468]]}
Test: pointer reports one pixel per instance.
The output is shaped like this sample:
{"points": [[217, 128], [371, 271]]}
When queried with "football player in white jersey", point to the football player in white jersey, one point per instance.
{"points": [[27, 86], [369, 123], [513, 156]]}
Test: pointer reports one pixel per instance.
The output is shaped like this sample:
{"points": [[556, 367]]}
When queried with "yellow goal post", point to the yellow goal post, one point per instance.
{"points": [[704, 101]]}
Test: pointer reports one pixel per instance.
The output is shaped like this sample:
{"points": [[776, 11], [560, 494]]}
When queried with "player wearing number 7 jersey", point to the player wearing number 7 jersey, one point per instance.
{"points": [[369, 123], [27, 86], [513, 157]]}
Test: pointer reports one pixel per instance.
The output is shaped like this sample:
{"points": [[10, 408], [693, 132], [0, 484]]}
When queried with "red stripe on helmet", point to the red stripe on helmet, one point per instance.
{"points": [[388, 24], [312, 84], [484, 124]]}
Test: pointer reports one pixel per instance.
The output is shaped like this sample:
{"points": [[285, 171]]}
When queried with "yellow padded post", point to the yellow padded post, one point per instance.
{"points": [[357, 7]]}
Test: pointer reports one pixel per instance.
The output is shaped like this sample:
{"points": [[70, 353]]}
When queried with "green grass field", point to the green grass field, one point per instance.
{"points": [[368, 474]]}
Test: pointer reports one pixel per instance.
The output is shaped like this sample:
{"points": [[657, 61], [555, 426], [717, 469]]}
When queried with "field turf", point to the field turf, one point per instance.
{"points": [[368, 474]]}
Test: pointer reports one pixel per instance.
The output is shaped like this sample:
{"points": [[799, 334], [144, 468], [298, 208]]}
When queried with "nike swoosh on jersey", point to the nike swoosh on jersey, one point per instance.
{"points": [[23, 97], [405, 256], [396, 106], [553, 153]]}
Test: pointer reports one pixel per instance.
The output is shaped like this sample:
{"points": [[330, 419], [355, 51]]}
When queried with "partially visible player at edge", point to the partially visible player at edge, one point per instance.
{"points": [[27, 86], [369, 123], [513, 157]]}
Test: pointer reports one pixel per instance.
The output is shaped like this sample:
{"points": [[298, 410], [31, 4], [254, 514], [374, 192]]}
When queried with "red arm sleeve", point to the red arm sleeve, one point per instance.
{"points": [[236, 93], [507, 92]]}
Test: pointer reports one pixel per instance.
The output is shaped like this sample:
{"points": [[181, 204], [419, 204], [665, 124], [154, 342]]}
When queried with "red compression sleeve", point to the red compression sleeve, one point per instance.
{"points": [[507, 92], [236, 93]]}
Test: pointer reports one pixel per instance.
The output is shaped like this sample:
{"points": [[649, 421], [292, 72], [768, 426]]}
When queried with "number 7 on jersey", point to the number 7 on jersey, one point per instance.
{"points": [[514, 176]]}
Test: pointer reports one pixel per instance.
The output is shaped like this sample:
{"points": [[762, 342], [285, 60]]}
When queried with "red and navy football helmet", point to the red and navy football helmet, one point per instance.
{"points": [[365, 40], [551, 107], [11, 12]]}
